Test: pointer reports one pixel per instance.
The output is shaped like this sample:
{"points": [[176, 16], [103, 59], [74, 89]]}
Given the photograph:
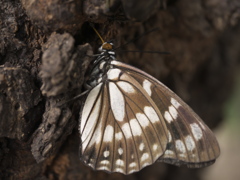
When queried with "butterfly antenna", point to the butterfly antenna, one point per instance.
{"points": [[155, 29], [97, 33], [150, 52]]}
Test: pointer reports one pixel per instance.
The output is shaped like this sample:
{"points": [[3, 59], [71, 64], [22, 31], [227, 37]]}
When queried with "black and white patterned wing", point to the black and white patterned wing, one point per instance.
{"points": [[190, 141], [122, 129]]}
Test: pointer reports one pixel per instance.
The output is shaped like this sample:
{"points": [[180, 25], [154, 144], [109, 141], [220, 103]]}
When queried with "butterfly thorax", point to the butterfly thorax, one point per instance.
{"points": [[101, 65]]}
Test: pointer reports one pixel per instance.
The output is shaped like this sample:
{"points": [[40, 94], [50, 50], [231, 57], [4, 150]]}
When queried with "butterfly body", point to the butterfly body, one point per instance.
{"points": [[130, 120], [100, 66]]}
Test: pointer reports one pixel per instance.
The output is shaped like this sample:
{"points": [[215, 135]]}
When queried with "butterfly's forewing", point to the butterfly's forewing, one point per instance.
{"points": [[122, 129], [190, 142]]}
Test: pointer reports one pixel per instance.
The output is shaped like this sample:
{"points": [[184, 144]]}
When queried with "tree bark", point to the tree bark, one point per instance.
{"points": [[45, 50]]}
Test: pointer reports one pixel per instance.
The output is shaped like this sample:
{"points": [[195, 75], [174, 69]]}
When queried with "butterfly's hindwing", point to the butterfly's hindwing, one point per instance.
{"points": [[191, 142], [124, 131]]}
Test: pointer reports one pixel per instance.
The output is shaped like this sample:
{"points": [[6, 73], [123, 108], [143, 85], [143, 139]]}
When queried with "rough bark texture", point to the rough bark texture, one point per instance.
{"points": [[44, 56]]}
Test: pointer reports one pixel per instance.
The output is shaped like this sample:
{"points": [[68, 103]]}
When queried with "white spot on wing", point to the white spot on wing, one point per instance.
{"points": [[193, 155], [182, 155], [119, 162], [175, 103], [108, 135], [147, 86], [120, 151], [151, 114], [169, 136], [118, 135], [126, 87], [155, 147], [104, 162], [145, 156], [168, 117], [173, 112], [142, 119], [117, 102], [104, 168], [91, 165], [132, 165], [197, 131], [88, 106], [189, 143], [145, 164], [106, 153], [141, 147], [180, 146], [136, 129], [126, 130], [132, 171], [113, 74], [120, 170], [168, 152]]}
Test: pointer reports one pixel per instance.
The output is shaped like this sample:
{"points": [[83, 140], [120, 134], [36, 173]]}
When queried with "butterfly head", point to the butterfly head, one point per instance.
{"points": [[107, 48]]}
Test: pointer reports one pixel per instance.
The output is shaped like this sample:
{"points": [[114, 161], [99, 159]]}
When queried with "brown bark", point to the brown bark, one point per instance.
{"points": [[44, 56]]}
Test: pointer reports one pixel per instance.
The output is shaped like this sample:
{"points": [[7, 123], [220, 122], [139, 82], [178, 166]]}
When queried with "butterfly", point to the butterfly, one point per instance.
{"points": [[131, 120]]}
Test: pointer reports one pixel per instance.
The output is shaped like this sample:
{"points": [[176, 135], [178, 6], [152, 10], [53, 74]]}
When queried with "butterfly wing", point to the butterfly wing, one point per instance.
{"points": [[122, 129], [190, 141]]}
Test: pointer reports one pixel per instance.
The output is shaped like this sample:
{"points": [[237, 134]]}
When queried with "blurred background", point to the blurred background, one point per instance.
{"points": [[227, 165]]}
